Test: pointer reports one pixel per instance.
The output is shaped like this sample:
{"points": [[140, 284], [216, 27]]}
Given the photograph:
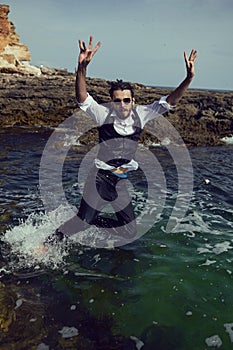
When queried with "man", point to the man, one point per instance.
{"points": [[119, 125]]}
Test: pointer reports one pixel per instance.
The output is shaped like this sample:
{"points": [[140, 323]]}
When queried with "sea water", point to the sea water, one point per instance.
{"points": [[165, 290]]}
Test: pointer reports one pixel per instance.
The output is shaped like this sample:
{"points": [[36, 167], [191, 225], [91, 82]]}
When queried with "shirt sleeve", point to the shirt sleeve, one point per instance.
{"points": [[96, 111], [151, 111], [84, 105], [163, 102]]}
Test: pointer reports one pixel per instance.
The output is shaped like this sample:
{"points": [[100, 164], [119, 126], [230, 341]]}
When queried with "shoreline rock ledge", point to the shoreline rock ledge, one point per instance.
{"points": [[45, 97]]}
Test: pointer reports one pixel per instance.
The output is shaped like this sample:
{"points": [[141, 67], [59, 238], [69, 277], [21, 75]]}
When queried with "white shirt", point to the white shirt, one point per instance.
{"points": [[146, 113], [123, 127]]}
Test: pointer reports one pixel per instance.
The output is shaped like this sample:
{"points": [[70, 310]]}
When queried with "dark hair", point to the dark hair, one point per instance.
{"points": [[120, 85]]}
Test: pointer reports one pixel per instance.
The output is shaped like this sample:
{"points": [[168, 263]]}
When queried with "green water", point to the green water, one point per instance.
{"points": [[164, 291]]}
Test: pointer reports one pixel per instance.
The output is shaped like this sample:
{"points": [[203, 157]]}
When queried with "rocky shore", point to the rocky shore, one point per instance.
{"points": [[201, 118]]}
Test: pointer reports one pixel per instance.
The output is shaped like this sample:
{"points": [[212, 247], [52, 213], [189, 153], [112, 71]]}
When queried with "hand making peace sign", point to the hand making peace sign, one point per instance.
{"points": [[86, 53], [190, 63]]}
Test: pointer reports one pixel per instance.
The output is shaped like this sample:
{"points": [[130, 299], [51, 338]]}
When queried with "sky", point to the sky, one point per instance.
{"points": [[142, 40]]}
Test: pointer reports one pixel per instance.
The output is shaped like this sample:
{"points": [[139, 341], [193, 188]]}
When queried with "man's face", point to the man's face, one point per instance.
{"points": [[122, 103]]}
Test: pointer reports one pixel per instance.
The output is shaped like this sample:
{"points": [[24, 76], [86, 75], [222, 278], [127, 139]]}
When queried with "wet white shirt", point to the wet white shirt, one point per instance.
{"points": [[123, 127]]}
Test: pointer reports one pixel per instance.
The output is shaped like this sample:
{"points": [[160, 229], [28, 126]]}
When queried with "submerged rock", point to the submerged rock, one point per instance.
{"points": [[162, 338]]}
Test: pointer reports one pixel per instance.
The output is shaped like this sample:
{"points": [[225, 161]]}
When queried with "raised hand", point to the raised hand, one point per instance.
{"points": [[189, 61], [86, 53]]}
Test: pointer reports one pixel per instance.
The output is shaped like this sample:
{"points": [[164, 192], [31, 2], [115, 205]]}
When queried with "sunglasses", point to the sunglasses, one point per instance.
{"points": [[125, 100]]}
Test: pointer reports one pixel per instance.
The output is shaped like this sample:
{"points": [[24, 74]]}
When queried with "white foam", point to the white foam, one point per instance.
{"points": [[229, 330], [214, 341], [222, 247], [208, 262], [25, 239], [227, 139], [138, 343], [69, 332]]}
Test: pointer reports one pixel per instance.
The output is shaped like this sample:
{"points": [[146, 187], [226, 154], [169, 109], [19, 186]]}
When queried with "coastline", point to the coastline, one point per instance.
{"points": [[202, 118]]}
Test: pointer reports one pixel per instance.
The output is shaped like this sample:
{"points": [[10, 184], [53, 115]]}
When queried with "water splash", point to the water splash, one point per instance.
{"points": [[22, 242]]}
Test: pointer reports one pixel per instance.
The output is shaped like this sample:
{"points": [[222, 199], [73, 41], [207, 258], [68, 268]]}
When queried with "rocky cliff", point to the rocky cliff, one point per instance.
{"points": [[14, 56]]}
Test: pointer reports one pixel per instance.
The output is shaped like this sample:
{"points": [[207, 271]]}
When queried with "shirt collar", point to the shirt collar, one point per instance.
{"points": [[126, 121]]}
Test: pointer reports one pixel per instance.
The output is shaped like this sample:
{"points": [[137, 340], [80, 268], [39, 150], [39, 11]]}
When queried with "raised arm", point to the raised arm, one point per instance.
{"points": [[85, 56], [174, 97]]}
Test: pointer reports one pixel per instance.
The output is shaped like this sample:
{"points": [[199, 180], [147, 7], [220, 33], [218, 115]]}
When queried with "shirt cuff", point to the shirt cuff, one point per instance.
{"points": [[86, 104], [163, 102]]}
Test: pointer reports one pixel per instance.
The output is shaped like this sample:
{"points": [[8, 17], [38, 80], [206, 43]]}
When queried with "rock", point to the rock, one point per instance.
{"points": [[53, 71], [201, 118], [14, 56], [162, 338]]}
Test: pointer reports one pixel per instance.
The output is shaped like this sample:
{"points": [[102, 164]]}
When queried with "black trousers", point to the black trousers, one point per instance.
{"points": [[101, 189]]}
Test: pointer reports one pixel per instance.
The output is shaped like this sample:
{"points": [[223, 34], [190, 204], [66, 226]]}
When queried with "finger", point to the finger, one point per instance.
{"points": [[193, 55], [80, 44], [90, 42], [186, 58], [96, 47]]}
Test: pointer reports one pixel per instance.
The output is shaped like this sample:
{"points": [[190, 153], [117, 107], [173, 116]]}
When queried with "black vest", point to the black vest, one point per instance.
{"points": [[116, 149]]}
